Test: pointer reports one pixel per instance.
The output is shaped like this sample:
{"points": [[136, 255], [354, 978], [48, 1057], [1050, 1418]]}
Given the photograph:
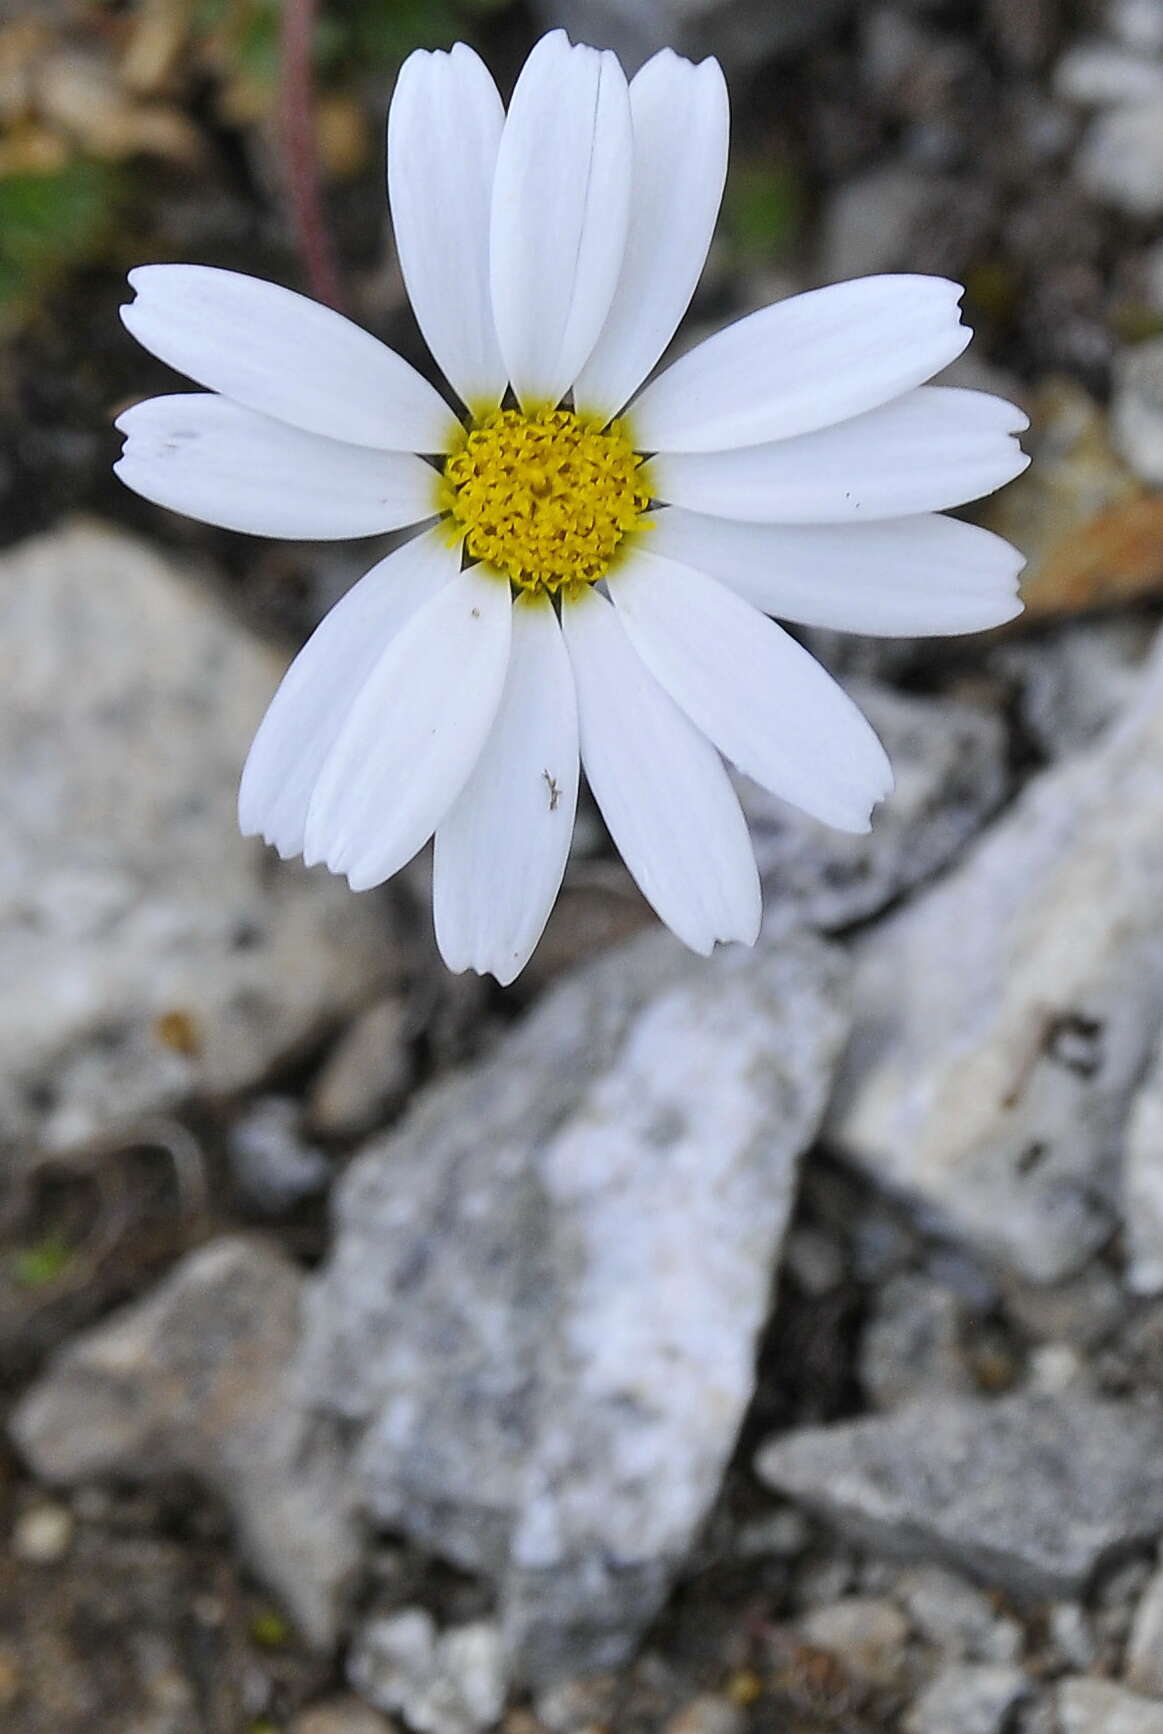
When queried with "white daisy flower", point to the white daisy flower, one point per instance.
{"points": [[598, 580]]}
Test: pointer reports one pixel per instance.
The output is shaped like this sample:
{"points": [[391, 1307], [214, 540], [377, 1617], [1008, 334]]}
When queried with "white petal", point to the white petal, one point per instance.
{"points": [[208, 457], [413, 733], [444, 128], [501, 851], [908, 576], [662, 788], [681, 117], [933, 448], [308, 711], [803, 364], [561, 198], [753, 690], [287, 357]]}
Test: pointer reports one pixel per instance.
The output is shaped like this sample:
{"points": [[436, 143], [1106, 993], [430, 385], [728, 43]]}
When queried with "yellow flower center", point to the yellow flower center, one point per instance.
{"points": [[545, 498]]}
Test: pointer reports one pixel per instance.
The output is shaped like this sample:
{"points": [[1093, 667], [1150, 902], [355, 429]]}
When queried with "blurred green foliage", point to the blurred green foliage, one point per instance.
{"points": [[350, 35], [50, 223], [269, 1629], [763, 211], [42, 1263]]}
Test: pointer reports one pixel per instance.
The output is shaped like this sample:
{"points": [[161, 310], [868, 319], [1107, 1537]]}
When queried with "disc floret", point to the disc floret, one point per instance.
{"points": [[545, 498]]}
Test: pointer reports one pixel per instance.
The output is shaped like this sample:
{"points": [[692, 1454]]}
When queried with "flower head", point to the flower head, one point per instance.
{"points": [[598, 580]]}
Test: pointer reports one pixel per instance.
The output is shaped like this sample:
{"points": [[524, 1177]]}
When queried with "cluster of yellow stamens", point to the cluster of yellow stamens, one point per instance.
{"points": [[544, 498]]}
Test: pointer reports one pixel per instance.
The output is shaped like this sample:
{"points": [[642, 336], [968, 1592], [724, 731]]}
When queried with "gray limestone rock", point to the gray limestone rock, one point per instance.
{"points": [[340, 1716], [1004, 1017], [450, 1682], [871, 222], [1027, 1493], [949, 763], [1144, 1657], [911, 1345], [964, 1700], [1143, 1184], [147, 951], [199, 1378], [540, 1314], [1072, 681], [1137, 408], [957, 1617], [866, 1634], [1098, 1707], [1120, 162]]}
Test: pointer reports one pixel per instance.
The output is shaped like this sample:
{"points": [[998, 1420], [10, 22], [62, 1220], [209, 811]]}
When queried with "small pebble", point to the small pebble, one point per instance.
{"points": [[43, 1534], [707, 1715], [967, 1700], [1144, 1658], [866, 1634]]}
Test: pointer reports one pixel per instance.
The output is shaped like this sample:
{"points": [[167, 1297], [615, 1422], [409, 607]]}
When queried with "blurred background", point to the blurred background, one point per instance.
{"points": [[659, 1346]]}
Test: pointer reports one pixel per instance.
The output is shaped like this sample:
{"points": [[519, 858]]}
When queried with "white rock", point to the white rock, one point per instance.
{"points": [[1073, 680], [1100, 75], [949, 762], [273, 1167], [955, 1616], [1143, 1184], [199, 1378], [966, 1700], [147, 951], [866, 1634], [366, 1074], [1070, 1634], [1120, 161], [1137, 24], [1144, 1657], [708, 1715], [540, 1314], [911, 1343], [451, 1682], [871, 221], [1096, 1707], [1137, 409], [1004, 1017], [340, 1716], [43, 1533]]}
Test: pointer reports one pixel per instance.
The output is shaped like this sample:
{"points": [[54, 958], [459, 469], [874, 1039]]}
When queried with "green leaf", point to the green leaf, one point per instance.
{"points": [[763, 210], [50, 223], [42, 1263]]}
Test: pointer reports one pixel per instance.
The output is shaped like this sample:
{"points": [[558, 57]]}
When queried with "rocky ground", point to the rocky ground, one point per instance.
{"points": [[662, 1346]]}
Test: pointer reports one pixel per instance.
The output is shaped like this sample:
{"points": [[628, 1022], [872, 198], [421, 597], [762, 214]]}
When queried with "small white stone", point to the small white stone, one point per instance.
{"points": [[1097, 1707], [1144, 1659], [870, 221], [43, 1534], [964, 1700], [1137, 24], [1071, 1635], [1054, 1367], [1143, 1184], [1137, 409], [1097, 74], [1121, 159], [447, 1683], [956, 1616], [865, 1633]]}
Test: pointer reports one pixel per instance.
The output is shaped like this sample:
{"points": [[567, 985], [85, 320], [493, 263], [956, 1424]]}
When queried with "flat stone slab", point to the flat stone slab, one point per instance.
{"points": [[1029, 1493], [147, 951], [199, 1377], [539, 1318], [1003, 1018]]}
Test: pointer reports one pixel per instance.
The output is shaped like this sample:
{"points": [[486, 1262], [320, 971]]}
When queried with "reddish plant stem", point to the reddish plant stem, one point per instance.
{"points": [[300, 159]]}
